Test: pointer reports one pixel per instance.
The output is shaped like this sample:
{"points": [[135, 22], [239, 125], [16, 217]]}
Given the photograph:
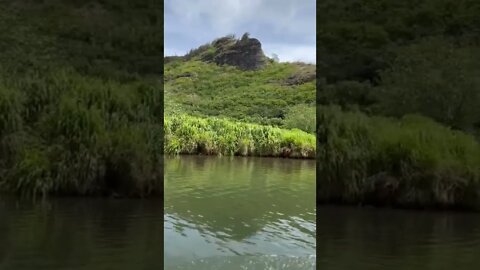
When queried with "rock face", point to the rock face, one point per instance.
{"points": [[245, 53]]}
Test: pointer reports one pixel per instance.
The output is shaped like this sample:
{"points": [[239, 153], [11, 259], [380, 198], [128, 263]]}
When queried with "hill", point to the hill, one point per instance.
{"points": [[210, 82], [226, 97]]}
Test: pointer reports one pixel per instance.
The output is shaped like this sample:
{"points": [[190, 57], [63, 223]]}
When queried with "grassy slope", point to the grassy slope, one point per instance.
{"points": [[80, 97], [262, 96], [254, 104]]}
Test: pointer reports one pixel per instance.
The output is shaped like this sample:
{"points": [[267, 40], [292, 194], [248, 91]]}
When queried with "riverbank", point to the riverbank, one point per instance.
{"points": [[186, 134], [410, 162], [64, 133], [81, 111]]}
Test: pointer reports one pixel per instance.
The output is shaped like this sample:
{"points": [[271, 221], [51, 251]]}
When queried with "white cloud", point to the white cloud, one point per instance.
{"points": [[284, 16], [279, 24], [173, 52], [220, 16], [292, 53]]}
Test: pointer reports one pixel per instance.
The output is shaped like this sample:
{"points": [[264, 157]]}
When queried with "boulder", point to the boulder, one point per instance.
{"points": [[246, 53]]}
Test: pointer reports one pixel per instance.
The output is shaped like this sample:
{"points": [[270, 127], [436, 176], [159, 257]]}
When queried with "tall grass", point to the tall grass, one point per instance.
{"points": [[409, 162], [79, 135], [213, 136], [81, 103]]}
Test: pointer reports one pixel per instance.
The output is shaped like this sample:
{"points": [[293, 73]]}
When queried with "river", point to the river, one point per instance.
{"points": [[231, 213], [220, 213], [239, 213], [379, 239]]}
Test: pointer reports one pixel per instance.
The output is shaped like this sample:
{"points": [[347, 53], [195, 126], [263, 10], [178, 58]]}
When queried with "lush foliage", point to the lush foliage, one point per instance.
{"points": [[301, 116], [219, 109], [389, 60], [411, 161], [262, 96], [357, 39], [66, 133], [438, 80], [212, 136], [395, 58], [115, 39], [81, 112]]}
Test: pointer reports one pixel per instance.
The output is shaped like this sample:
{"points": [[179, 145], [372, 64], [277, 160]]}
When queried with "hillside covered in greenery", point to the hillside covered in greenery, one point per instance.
{"points": [[399, 96], [81, 97], [234, 99]]}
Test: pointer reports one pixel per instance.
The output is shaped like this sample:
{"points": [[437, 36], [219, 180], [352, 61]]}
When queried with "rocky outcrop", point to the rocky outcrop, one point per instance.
{"points": [[245, 53]]}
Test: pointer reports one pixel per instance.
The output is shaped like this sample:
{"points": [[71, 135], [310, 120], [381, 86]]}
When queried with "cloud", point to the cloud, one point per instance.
{"points": [[292, 53], [173, 52], [190, 23]]}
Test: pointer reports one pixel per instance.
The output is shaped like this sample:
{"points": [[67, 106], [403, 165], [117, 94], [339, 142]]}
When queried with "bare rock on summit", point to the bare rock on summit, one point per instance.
{"points": [[245, 53]]}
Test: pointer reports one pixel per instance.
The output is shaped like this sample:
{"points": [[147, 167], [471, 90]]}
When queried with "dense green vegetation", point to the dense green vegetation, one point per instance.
{"points": [[80, 97], [409, 161], [265, 96], [398, 96], [113, 39], [211, 136], [222, 109]]}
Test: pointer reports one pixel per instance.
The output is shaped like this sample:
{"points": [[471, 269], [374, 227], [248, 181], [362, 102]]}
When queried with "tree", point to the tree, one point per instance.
{"points": [[301, 116], [275, 58], [437, 79]]}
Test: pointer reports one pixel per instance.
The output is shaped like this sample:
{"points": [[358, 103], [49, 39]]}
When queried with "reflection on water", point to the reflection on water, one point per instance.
{"points": [[255, 213], [80, 234], [378, 239]]}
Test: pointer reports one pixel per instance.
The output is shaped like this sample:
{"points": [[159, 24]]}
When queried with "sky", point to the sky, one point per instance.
{"points": [[284, 27]]}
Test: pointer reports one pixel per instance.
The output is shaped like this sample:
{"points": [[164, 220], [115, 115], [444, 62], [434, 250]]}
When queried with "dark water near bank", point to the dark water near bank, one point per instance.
{"points": [[239, 213], [374, 239], [221, 213], [80, 234]]}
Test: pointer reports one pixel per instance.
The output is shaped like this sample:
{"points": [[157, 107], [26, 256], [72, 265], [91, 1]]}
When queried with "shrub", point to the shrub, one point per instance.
{"points": [[213, 136], [412, 161], [301, 117], [86, 136]]}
